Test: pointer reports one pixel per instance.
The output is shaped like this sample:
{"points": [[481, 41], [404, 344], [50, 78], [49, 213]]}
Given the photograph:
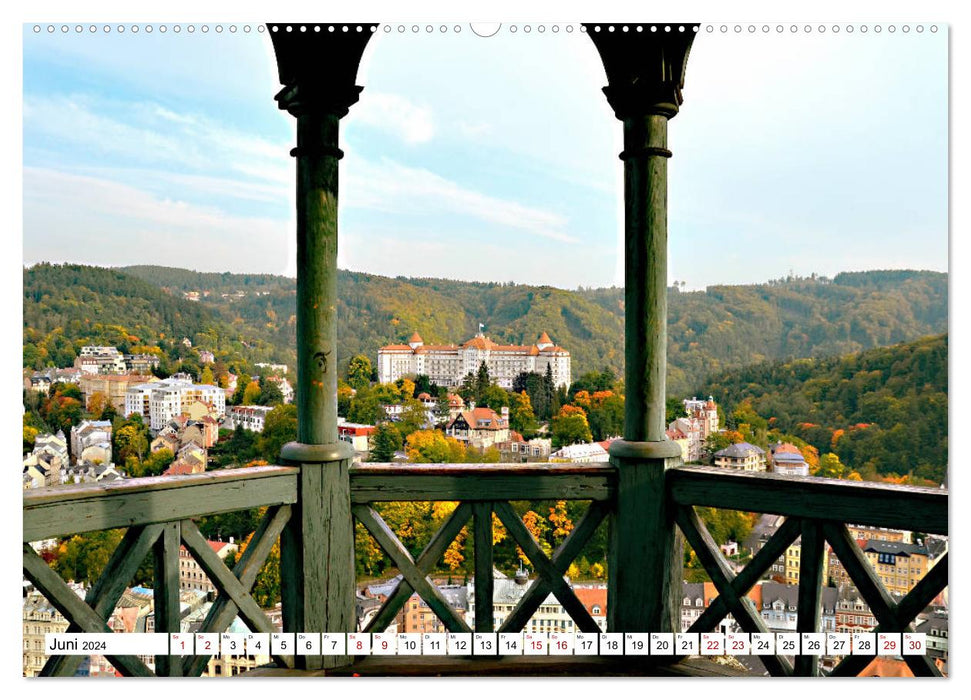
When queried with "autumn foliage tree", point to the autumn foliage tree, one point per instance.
{"points": [[570, 426], [432, 446], [521, 416]]}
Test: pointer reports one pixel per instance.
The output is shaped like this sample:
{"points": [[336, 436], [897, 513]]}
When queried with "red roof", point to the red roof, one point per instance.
{"points": [[544, 338], [479, 342], [180, 468], [415, 338], [591, 597], [481, 419], [886, 667], [217, 547]]}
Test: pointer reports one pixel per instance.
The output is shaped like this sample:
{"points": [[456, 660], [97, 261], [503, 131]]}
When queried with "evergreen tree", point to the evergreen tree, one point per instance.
{"points": [[385, 442], [549, 388], [423, 385], [442, 408], [482, 383]]}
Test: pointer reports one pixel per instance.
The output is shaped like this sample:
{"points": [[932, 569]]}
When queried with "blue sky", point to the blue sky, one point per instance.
{"points": [[490, 159]]}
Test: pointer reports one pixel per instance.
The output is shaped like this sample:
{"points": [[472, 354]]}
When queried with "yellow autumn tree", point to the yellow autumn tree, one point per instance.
{"points": [[407, 388], [367, 552], [454, 557], [498, 530], [251, 393], [561, 522], [538, 527]]}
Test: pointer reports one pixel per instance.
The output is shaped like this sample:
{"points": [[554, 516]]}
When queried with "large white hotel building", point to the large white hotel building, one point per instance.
{"points": [[447, 365]]}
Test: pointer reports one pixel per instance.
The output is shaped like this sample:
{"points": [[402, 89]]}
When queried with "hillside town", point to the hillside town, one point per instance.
{"points": [[478, 401]]}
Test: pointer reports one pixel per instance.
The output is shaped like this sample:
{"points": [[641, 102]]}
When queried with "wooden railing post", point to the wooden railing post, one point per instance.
{"points": [[318, 70], [645, 72], [811, 560], [167, 608], [484, 583]]}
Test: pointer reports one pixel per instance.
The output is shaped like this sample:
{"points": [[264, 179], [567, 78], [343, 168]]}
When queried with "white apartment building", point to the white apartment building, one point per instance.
{"points": [[100, 359], [447, 365], [160, 402], [272, 367], [95, 350], [251, 418]]}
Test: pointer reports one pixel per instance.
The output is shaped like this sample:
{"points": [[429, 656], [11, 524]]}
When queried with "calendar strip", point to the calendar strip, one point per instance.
{"points": [[492, 644]]}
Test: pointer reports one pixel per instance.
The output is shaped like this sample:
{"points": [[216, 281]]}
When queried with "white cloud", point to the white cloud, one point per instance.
{"points": [[88, 219], [410, 122], [139, 132], [394, 188]]}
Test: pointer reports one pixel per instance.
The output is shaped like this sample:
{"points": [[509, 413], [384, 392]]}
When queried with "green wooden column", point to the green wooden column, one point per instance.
{"points": [[645, 74], [318, 71]]}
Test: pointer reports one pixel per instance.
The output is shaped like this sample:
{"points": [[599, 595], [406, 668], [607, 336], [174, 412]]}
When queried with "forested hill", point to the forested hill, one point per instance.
{"points": [[67, 306], [709, 331], [883, 411]]}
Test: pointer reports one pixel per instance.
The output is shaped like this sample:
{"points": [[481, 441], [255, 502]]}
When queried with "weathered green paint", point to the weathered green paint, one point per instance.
{"points": [[224, 580], [545, 569], [426, 561], [419, 482], [317, 159], [859, 502], [564, 555], [166, 589], [645, 72], [318, 71], [74, 609], [317, 557], [750, 575], [741, 607], [482, 540], [742, 583], [91, 507], [810, 600], [643, 539], [104, 594], [645, 275], [223, 610], [390, 543]]}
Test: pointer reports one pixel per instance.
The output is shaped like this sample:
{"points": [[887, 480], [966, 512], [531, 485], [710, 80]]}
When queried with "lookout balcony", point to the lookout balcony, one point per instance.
{"points": [[644, 494]]}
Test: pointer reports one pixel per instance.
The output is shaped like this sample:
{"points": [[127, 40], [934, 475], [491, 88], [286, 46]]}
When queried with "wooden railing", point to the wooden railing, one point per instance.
{"points": [[816, 510], [159, 513], [483, 490]]}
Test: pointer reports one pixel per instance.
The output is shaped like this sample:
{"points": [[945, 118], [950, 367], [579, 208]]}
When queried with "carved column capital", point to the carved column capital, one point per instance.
{"points": [[318, 69], [645, 69]]}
